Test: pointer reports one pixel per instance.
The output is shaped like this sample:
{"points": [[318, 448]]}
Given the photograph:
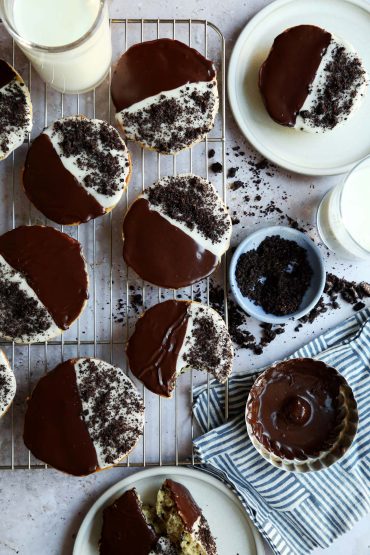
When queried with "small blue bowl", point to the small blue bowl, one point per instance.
{"points": [[312, 295]]}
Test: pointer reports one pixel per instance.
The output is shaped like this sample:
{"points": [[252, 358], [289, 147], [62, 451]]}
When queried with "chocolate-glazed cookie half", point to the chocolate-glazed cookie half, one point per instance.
{"points": [[301, 414], [175, 233], [165, 94]]}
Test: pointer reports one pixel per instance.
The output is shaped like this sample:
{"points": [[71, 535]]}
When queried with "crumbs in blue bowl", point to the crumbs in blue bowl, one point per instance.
{"points": [[276, 275]]}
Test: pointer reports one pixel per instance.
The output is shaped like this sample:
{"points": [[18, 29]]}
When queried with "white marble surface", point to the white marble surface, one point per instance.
{"points": [[42, 509]]}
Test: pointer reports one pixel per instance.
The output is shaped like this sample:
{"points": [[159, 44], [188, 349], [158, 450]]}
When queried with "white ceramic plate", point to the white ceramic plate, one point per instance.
{"points": [[234, 532], [330, 153]]}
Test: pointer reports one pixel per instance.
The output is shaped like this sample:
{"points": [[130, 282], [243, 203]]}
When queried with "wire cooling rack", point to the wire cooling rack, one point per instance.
{"points": [[117, 295]]}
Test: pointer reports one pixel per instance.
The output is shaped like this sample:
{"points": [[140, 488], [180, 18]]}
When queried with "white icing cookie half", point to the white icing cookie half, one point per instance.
{"points": [[15, 110], [8, 384]]}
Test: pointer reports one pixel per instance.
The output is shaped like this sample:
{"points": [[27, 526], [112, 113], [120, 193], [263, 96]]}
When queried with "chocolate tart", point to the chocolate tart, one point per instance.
{"points": [[301, 415]]}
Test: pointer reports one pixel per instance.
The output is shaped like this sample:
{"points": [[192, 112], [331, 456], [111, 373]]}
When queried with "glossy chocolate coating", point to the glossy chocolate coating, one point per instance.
{"points": [[53, 266], [54, 429], [294, 408], [185, 504], [154, 347], [125, 530], [289, 70], [53, 189], [161, 253], [149, 68], [7, 73]]}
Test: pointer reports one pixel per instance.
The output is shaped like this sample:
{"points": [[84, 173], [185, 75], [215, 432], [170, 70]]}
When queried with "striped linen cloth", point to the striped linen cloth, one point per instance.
{"points": [[294, 512]]}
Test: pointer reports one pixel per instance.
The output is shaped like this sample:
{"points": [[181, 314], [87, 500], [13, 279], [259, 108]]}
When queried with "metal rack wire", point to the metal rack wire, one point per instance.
{"points": [[103, 329]]}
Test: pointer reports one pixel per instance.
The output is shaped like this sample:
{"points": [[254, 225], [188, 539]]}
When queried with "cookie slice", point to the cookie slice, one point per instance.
{"points": [[165, 94], [83, 416], [174, 336], [15, 110], [186, 526], [8, 384], [43, 283], [187, 229], [126, 528], [76, 170]]}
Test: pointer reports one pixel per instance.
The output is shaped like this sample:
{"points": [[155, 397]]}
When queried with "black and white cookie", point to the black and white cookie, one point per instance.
{"points": [[76, 170], [15, 110], [186, 525], [165, 94], [43, 283], [176, 231], [312, 80], [175, 336], [8, 384], [83, 416]]}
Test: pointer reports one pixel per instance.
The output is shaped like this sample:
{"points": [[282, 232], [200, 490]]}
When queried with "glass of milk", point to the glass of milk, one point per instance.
{"points": [[67, 41], [343, 217]]}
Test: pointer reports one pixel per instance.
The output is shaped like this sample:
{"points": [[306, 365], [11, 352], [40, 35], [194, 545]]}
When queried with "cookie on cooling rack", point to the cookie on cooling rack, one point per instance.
{"points": [[311, 80], [7, 384], [15, 110], [185, 524], [173, 336], [176, 231], [165, 94], [43, 283], [83, 416], [76, 170]]}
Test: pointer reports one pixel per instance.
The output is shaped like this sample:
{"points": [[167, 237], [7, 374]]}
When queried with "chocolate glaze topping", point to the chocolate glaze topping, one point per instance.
{"points": [[160, 252], [54, 429], [184, 502], [53, 189], [152, 67], [125, 529], [294, 408], [154, 347], [290, 68], [7, 73], [53, 266]]}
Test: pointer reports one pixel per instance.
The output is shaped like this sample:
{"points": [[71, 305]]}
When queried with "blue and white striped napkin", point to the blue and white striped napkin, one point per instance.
{"points": [[294, 512]]}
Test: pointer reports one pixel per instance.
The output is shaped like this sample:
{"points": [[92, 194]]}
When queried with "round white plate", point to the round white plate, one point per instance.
{"points": [[234, 532], [330, 153]]}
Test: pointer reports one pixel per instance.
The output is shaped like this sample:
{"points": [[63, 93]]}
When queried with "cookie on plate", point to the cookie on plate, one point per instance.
{"points": [[8, 384], [83, 416], [15, 110], [76, 170], [165, 94], [175, 336], [43, 283], [176, 231], [312, 80]]}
